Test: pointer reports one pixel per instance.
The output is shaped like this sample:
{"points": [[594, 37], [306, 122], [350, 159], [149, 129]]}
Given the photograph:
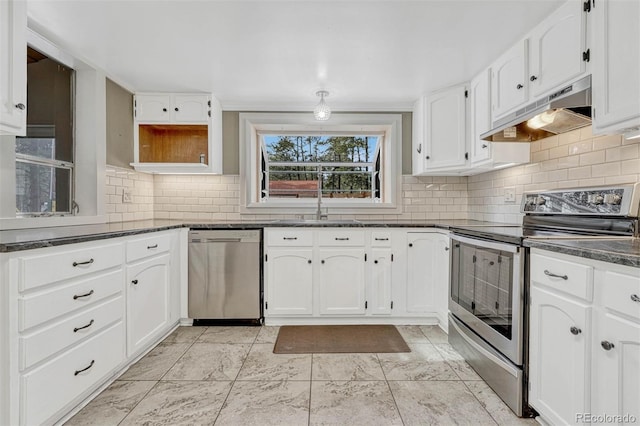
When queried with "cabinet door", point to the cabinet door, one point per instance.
{"points": [[13, 67], [446, 129], [480, 116], [289, 282], [558, 366], [190, 108], [423, 271], [341, 284], [152, 108], [147, 301], [556, 49], [417, 138], [616, 381], [616, 66], [509, 80], [379, 296]]}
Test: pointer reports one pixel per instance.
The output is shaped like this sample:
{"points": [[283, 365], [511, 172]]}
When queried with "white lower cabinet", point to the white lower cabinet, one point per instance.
{"points": [[289, 281], [584, 345], [559, 338], [380, 294], [342, 275], [74, 316], [341, 284], [147, 301]]}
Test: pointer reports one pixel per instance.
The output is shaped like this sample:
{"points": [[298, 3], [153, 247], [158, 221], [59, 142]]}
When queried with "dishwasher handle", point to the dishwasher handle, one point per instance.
{"points": [[216, 240]]}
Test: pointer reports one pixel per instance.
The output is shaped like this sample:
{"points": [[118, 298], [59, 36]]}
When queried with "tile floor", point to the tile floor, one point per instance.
{"points": [[230, 376]]}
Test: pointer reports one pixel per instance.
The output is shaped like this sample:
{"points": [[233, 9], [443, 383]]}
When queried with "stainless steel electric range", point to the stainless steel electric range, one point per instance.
{"points": [[488, 319]]}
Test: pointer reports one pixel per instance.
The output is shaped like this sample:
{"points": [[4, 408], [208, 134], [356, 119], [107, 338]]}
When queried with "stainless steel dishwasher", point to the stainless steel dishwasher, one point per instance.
{"points": [[224, 276]]}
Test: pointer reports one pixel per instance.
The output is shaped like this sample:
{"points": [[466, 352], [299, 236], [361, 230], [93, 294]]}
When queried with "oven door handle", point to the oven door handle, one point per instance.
{"points": [[506, 366], [511, 248]]}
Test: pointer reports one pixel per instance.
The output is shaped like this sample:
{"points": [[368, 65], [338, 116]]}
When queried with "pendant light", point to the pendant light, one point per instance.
{"points": [[322, 112]]}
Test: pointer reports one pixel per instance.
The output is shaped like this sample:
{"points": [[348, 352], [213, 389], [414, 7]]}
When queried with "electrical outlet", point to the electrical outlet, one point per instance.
{"points": [[127, 196], [510, 194]]}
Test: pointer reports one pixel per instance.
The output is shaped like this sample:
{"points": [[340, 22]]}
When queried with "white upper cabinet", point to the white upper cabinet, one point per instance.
{"points": [[13, 67], [445, 129], [616, 66], [177, 133], [556, 49], [417, 137], [510, 80], [480, 116]]}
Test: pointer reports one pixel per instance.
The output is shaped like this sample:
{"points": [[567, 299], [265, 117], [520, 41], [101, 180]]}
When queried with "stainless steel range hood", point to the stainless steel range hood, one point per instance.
{"points": [[565, 110]]}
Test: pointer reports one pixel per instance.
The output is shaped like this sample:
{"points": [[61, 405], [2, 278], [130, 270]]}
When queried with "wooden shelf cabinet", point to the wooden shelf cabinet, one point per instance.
{"points": [[177, 133]]}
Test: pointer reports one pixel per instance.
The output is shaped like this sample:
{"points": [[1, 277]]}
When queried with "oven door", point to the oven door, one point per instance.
{"points": [[487, 292]]}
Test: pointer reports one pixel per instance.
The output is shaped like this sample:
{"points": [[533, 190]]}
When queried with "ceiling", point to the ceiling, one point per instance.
{"points": [[274, 55]]}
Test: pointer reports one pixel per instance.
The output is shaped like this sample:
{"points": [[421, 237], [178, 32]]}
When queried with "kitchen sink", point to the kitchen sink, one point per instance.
{"points": [[317, 221]]}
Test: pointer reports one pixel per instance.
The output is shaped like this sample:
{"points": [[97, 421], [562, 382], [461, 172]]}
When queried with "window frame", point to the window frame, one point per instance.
{"points": [[55, 164], [254, 124]]}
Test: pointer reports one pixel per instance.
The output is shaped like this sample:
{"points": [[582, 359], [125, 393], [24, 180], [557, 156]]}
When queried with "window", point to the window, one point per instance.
{"points": [[45, 156], [330, 166], [289, 162]]}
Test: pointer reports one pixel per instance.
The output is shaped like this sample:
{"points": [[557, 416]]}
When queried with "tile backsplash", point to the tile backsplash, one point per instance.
{"points": [[572, 159], [140, 185]]}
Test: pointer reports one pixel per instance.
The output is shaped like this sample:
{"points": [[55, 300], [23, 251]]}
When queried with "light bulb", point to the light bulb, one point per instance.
{"points": [[542, 119], [322, 112]]}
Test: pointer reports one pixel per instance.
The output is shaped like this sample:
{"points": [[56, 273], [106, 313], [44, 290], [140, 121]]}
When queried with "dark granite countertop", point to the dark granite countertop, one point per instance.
{"points": [[620, 251], [26, 239]]}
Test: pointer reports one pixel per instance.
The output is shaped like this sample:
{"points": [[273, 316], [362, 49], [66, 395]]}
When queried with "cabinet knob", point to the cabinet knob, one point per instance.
{"points": [[635, 298], [607, 346], [21, 106], [519, 86], [134, 282], [322, 261], [375, 261], [164, 110], [446, 249], [484, 145], [309, 261], [419, 148], [533, 78], [410, 244], [575, 331], [427, 157], [176, 109]]}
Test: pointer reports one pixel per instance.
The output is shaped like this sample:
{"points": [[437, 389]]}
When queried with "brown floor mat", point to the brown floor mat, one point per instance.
{"points": [[305, 339]]}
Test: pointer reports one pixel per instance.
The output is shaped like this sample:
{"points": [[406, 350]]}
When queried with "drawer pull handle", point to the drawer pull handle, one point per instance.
{"points": [[134, 282], [635, 298], [382, 239], [152, 247], [86, 262], [551, 274], [290, 238], [342, 239], [75, 330], [78, 296], [93, 361], [607, 346], [575, 331]]}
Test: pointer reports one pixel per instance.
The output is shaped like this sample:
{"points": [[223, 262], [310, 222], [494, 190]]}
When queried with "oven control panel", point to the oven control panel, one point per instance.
{"points": [[604, 201]]}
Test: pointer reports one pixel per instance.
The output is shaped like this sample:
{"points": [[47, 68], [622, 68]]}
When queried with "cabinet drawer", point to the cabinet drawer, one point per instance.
{"points": [[571, 278], [341, 238], [42, 307], [36, 271], [145, 247], [46, 342], [380, 239], [622, 293], [289, 237], [50, 388]]}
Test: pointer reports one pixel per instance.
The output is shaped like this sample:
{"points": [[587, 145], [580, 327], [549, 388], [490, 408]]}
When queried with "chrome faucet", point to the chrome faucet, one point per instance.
{"points": [[319, 215]]}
